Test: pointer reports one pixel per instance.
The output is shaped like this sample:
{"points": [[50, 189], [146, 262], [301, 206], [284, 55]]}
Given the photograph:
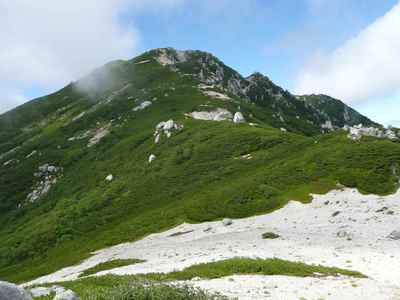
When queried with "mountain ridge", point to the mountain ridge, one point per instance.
{"points": [[58, 202]]}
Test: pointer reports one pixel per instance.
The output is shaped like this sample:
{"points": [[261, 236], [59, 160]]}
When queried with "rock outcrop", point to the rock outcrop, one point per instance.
{"points": [[166, 128], [9, 291], [358, 131], [220, 114], [47, 176]]}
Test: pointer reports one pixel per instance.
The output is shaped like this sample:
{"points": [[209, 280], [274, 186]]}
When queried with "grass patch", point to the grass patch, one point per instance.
{"points": [[270, 235], [247, 266], [112, 264], [153, 291], [128, 286]]}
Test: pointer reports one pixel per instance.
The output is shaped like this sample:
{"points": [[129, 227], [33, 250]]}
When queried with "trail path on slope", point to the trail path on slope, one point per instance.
{"points": [[309, 233]]}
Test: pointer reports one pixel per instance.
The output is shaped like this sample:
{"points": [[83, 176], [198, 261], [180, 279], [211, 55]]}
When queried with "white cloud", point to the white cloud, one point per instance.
{"points": [[364, 68], [47, 43]]}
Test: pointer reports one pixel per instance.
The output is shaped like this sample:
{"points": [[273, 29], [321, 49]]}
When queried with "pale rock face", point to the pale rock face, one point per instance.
{"points": [[217, 95], [99, 135], [166, 58], [9, 291], [328, 125], [238, 118], [220, 114], [110, 178], [152, 157], [142, 106]]}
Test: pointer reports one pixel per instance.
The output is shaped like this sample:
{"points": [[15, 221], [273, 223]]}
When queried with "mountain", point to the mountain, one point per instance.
{"points": [[170, 136]]}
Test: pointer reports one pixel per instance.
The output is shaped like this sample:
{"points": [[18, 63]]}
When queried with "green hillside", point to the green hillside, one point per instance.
{"points": [[105, 124]]}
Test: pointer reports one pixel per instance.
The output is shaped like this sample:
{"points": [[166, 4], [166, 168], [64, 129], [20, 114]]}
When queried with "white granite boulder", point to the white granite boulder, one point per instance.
{"points": [[238, 118]]}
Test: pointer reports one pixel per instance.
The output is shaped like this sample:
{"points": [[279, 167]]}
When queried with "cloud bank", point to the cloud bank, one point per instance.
{"points": [[365, 67], [45, 44]]}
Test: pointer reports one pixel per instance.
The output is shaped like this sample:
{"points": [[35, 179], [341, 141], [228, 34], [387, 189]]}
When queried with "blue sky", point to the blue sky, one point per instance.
{"points": [[302, 45]]}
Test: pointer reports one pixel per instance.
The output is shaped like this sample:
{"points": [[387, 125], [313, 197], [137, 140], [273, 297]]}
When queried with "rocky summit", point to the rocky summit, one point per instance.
{"points": [[138, 165]]}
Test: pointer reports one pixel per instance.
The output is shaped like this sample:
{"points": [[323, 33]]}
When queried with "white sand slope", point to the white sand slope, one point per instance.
{"points": [[309, 233]]}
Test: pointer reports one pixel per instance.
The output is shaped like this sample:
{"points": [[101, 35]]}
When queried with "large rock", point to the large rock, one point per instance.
{"points": [[238, 118], [395, 235], [9, 291]]}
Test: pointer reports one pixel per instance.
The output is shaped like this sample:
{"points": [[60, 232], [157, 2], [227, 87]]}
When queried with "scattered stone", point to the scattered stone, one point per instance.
{"points": [[394, 235], [335, 213], [227, 222], [110, 178], [152, 157], [283, 129], [238, 118], [326, 202], [9, 291]]}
